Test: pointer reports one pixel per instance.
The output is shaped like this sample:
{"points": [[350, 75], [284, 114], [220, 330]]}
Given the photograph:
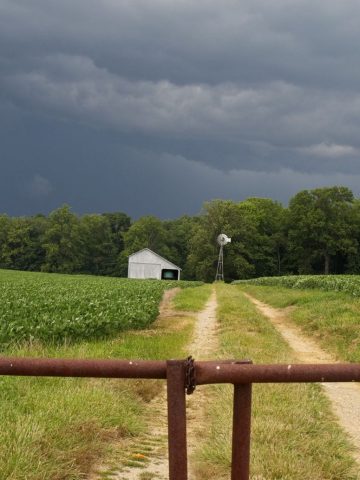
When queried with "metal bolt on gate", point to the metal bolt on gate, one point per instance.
{"points": [[182, 377]]}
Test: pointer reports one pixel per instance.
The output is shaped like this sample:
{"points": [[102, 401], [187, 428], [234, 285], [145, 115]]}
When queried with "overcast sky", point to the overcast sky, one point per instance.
{"points": [[153, 107]]}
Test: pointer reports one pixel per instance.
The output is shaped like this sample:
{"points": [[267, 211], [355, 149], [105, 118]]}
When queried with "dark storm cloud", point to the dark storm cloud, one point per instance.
{"points": [[247, 96]]}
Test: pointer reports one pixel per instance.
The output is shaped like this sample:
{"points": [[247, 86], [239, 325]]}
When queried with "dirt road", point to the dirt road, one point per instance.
{"points": [[146, 457], [344, 397]]}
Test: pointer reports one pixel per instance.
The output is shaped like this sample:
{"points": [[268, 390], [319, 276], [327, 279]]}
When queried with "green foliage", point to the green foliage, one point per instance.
{"points": [[99, 251], [62, 242], [57, 428], [321, 227], [192, 299], [338, 283], [332, 317], [318, 233], [58, 308], [255, 227]]}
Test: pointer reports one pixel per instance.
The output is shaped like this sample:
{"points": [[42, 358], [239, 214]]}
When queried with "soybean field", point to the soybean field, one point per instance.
{"points": [[61, 308], [329, 283]]}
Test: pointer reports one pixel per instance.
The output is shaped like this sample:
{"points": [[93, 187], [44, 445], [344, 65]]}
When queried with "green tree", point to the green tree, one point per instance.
{"points": [[23, 248], [270, 247], [320, 227], [64, 250], [238, 221], [99, 250], [178, 235], [5, 223], [147, 232], [119, 224]]}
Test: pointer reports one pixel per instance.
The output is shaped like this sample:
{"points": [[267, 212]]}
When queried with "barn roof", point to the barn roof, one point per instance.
{"points": [[154, 253]]}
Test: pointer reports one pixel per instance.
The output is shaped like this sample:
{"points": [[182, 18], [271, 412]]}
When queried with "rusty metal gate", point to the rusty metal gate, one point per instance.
{"points": [[182, 377]]}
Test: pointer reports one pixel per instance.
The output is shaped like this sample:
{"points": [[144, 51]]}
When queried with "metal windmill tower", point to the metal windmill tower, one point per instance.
{"points": [[222, 240]]}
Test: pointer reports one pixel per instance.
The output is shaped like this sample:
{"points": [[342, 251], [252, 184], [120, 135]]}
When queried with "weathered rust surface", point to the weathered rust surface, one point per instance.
{"points": [[176, 373], [56, 367], [184, 375], [240, 460], [225, 371], [279, 373]]}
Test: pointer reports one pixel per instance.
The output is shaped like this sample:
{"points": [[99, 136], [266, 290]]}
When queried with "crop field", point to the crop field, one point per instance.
{"points": [[57, 428], [65, 429], [336, 283], [57, 308]]}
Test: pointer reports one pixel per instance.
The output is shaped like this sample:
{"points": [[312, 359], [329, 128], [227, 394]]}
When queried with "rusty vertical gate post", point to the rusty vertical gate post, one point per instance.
{"points": [[176, 420], [240, 461]]}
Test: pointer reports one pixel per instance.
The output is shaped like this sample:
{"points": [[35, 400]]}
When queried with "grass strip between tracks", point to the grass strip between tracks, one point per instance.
{"points": [[331, 318], [294, 434]]}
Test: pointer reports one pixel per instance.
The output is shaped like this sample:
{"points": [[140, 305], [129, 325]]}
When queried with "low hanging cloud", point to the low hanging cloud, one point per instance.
{"points": [[330, 150], [40, 186], [275, 115]]}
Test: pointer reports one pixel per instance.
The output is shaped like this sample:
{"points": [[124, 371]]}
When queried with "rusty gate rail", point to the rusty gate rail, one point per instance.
{"points": [[182, 377], [221, 371]]}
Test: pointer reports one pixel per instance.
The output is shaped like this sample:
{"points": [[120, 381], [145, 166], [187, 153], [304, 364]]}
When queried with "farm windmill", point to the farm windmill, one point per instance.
{"points": [[222, 240]]}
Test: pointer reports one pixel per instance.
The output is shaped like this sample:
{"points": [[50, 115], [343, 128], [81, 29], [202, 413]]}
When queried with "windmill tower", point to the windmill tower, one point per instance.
{"points": [[222, 240]]}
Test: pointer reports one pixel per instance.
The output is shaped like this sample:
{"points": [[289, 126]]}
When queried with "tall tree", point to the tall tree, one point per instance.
{"points": [[99, 251], [147, 232], [320, 227], [62, 242], [23, 247], [238, 221], [5, 223]]}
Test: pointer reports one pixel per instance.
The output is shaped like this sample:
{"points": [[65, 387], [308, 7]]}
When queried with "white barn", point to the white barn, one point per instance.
{"points": [[147, 264]]}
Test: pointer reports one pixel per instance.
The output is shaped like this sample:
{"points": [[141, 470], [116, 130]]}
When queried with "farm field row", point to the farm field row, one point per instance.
{"points": [[329, 283], [55, 428], [294, 435], [60, 428], [61, 308], [331, 317]]}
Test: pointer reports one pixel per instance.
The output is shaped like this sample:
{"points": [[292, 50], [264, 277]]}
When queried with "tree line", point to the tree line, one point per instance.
{"points": [[319, 232]]}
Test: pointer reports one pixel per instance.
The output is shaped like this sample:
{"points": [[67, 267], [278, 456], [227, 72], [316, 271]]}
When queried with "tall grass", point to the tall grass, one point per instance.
{"points": [[330, 283], [332, 318], [294, 435], [192, 299]]}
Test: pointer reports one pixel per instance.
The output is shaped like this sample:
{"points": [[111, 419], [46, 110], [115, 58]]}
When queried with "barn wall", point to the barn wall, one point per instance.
{"points": [[144, 270], [146, 264]]}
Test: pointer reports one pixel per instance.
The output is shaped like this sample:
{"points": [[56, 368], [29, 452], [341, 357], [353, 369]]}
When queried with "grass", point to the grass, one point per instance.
{"points": [[192, 299], [330, 317], [335, 283], [294, 434], [58, 429]]}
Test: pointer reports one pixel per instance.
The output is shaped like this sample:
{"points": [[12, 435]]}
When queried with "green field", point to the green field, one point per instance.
{"points": [[56, 428], [329, 283], [62, 308], [60, 429]]}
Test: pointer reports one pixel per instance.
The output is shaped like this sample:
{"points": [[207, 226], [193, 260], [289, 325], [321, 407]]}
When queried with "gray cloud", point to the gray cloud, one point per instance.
{"points": [[39, 186], [254, 89]]}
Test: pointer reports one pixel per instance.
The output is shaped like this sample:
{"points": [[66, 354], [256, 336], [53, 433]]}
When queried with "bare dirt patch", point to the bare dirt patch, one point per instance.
{"points": [[203, 347], [344, 397], [146, 458]]}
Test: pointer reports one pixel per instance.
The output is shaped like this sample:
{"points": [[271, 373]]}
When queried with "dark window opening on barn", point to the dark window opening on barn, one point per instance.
{"points": [[167, 274]]}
